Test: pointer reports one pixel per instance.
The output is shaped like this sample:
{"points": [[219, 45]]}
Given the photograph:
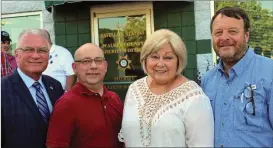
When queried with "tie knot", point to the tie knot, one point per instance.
{"points": [[37, 85]]}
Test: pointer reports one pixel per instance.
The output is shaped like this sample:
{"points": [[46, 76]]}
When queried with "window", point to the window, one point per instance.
{"points": [[121, 30], [14, 24]]}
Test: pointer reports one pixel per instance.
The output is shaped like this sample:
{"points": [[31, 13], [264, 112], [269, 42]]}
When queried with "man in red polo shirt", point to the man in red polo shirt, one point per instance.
{"points": [[88, 115]]}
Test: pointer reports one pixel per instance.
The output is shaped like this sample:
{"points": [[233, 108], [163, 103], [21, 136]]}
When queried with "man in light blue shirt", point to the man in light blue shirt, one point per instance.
{"points": [[240, 87]]}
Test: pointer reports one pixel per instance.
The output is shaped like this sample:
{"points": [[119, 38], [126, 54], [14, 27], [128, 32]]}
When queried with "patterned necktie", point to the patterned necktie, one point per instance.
{"points": [[41, 102]]}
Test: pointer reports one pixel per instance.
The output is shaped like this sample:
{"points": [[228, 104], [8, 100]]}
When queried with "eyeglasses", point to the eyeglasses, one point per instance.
{"points": [[250, 95], [88, 61], [43, 50], [166, 58]]}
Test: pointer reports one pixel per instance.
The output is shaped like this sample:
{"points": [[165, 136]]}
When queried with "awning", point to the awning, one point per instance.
{"points": [[49, 4]]}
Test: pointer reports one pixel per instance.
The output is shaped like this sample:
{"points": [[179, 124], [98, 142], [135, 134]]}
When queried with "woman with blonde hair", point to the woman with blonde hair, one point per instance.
{"points": [[165, 109]]}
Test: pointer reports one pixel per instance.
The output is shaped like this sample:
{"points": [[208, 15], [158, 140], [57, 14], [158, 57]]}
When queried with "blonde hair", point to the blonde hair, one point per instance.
{"points": [[157, 40]]}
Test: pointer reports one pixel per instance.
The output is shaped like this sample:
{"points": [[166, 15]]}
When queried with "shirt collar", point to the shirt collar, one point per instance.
{"points": [[220, 66], [10, 57], [52, 48], [27, 80], [86, 92], [240, 65]]}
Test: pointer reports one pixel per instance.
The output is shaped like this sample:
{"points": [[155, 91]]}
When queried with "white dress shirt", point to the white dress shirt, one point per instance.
{"points": [[29, 82]]}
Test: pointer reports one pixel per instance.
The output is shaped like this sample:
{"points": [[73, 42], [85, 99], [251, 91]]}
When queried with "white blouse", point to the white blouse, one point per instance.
{"points": [[182, 117]]}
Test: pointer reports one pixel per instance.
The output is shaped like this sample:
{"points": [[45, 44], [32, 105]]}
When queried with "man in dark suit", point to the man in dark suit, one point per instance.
{"points": [[28, 96]]}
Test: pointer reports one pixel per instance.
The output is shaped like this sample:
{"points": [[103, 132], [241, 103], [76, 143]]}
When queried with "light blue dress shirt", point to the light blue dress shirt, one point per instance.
{"points": [[235, 125], [29, 82]]}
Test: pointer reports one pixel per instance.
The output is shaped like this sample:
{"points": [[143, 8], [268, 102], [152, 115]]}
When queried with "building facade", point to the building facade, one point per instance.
{"points": [[121, 27], [19, 15]]}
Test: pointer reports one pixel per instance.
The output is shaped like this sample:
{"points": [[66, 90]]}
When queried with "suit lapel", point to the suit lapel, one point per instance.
{"points": [[24, 93], [50, 90]]}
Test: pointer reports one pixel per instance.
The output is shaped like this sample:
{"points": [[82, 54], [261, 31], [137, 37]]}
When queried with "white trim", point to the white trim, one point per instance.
{"points": [[121, 9], [25, 14], [41, 20], [21, 14], [214, 57]]}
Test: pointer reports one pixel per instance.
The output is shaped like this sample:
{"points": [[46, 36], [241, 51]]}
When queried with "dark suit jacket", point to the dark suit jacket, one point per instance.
{"points": [[22, 124]]}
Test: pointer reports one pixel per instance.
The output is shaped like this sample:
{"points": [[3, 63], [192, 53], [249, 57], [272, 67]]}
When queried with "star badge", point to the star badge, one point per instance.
{"points": [[123, 62]]}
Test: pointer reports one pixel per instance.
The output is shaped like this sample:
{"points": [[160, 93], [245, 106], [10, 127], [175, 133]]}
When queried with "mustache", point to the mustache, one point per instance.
{"points": [[226, 43]]}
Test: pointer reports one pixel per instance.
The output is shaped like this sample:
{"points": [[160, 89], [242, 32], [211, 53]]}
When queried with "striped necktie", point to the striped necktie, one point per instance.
{"points": [[41, 102]]}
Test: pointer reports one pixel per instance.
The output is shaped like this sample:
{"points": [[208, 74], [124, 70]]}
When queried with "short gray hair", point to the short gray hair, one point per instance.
{"points": [[47, 35], [35, 31], [158, 39]]}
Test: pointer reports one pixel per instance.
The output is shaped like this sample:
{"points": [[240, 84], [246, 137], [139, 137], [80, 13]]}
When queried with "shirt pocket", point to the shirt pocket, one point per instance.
{"points": [[242, 118]]}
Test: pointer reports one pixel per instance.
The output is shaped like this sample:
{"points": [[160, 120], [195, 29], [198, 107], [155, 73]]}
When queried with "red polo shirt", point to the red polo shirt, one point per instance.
{"points": [[84, 119]]}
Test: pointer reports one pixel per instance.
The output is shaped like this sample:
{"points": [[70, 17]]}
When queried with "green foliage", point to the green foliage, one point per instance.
{"points": [[261, 22], [135, 24]]}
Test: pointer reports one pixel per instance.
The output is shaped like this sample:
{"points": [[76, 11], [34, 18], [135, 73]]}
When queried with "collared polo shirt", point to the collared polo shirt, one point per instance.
{"points": [[235, 125], [84, 119]]}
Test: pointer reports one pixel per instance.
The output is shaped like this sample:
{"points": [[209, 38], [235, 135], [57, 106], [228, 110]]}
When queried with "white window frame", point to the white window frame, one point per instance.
{"points": [[121, 9], [214, 56], [25, 14]]}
